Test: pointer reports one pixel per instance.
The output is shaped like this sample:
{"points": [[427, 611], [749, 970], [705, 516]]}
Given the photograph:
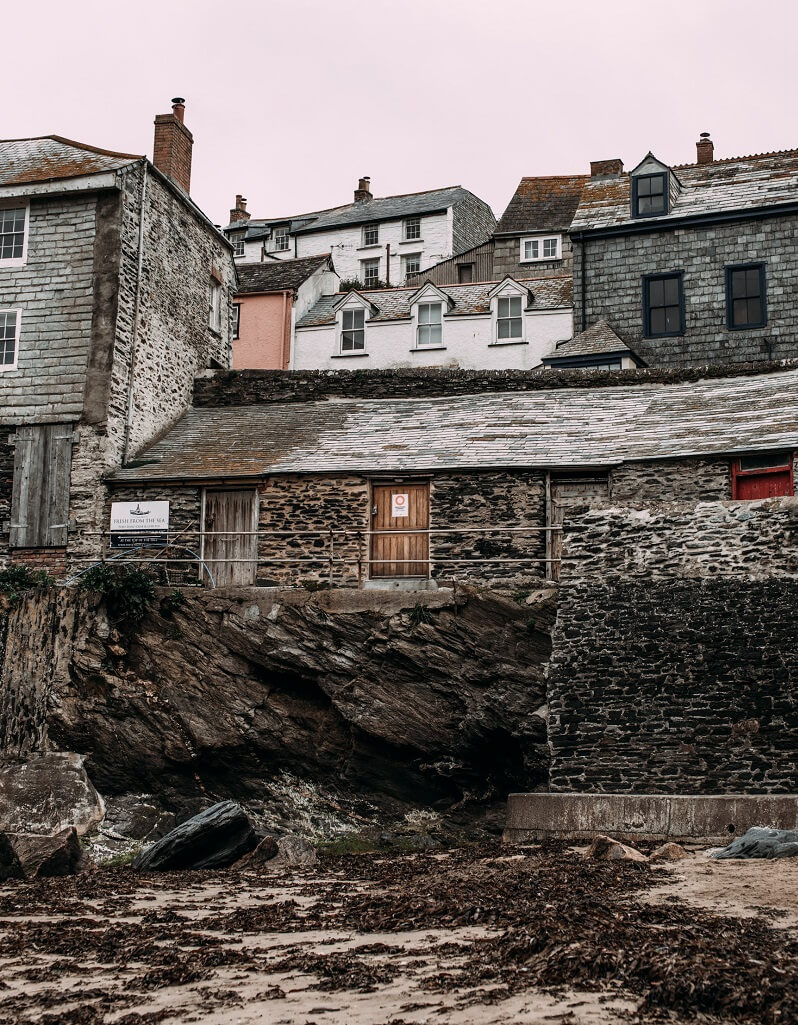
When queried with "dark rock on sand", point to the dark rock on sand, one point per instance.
{"points": [[215, 838]]}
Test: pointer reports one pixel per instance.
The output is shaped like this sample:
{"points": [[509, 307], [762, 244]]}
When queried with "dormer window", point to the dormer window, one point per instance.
{"points": [[649, 195], [509, 322], [280, 239], [239, 246], [430, 325], [353, 330], [542, 247], [371, 235]]}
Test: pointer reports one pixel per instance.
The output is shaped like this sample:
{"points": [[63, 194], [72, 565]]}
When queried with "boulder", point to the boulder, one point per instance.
{"points": [[45, 856], [295, 851], [264, 853], [604, 848], [215, 838], [138, 817], [10, 868], [761, 842], [47, 794], [669, 852]]}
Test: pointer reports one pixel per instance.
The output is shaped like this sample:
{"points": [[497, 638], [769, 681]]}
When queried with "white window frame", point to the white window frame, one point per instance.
{"points": [[239, 247], [17, 261], [13, 365], [438, 344], [236, 325], [539, 242], [371, 228], [511, 339], [363, 263], [215, 307], [407, 257], [352, 310], [280, 235], [406, 236]]}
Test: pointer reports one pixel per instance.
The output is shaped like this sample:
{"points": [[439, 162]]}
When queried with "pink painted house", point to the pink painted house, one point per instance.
{"points": [[271, 297]]}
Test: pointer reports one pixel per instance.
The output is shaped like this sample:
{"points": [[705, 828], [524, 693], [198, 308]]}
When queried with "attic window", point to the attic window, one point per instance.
{"points": [[280, 239], [353, 333], [540, 248], [649, 195], [239, 246]]}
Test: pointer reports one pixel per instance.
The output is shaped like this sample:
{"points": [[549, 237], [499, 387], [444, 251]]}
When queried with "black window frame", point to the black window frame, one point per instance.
{"points": [[636, 179], [763, 296], [647, 279]]}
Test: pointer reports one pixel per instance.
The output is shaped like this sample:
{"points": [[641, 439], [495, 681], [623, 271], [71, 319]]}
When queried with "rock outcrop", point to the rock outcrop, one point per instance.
{"points": [[215, 838], [45, 856], [48, 793], [761, 842], [394, 699]]}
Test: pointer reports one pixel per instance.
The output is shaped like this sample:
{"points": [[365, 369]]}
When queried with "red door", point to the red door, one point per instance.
{"points": [[752, 478]]}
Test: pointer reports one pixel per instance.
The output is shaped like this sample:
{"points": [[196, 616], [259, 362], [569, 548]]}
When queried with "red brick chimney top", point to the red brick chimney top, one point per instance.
{"points": [[173, 144], [239, 211], [705, 149], [605, 168], [363, 190]]}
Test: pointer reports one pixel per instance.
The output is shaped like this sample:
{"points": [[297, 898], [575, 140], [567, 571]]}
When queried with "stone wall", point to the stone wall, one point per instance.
{"points": [[507, 259], [249, 387], [675, 661], [614, 267], [701, 479]]}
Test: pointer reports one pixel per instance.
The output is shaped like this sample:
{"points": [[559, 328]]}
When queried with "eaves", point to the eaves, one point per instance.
{"points": [[687, 221], [317, 229]]}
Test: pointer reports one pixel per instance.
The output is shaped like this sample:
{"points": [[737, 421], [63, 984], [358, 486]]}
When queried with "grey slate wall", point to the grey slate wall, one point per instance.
{"points": [[675, 661], [614, 269], [473, 223]]}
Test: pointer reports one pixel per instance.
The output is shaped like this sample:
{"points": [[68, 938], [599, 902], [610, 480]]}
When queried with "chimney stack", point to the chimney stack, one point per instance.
{"points": [[705, 149], [239, 211], [171, 152], [605, 168], [363, 190]]}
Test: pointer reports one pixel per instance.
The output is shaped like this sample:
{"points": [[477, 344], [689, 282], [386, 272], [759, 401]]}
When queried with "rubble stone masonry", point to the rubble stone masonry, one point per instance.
{"points": [[675, 661]]}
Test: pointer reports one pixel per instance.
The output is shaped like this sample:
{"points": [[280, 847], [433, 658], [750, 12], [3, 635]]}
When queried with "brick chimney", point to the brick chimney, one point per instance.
{"points": [[171, 152], [363, 190], [239, 211], [605, 168], [704, 149]]}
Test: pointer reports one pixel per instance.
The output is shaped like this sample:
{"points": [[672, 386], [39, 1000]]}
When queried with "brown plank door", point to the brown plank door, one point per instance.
{"points": [[397, 509], [229, 541], [569, 490]]}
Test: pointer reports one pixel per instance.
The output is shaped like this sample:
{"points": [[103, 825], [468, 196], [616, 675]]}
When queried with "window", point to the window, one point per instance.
{"points": [[353, 334], [215, 311], [509, 322], [13, 222], [280, 239], [412, 228], [465, 273], [429, 325], [411, 263], [371, 235], [371, 272], [762, 475], [649, 195], [540, 249], [239, 246], [663, 305], [236, 319], [9, 339], [745, 296]]}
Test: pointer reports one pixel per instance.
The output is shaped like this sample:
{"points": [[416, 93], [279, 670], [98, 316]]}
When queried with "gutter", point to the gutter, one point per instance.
{"points": [[686, 221]]}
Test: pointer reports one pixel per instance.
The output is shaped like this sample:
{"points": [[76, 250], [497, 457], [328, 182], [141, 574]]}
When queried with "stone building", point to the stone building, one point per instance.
{"points": [[401, 479], [377, 241], [115, 290], [692, 264]]}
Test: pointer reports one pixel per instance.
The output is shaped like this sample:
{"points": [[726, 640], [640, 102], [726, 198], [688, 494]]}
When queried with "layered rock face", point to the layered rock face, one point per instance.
{"points": [[397, 698]]}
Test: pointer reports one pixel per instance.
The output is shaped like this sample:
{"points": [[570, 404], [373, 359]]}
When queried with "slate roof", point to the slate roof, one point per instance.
{"points": [[566, 427], [278, 275], [381, 209], [598, 339], [51, 157], [741, 183], [394, 303], [542, 204]]}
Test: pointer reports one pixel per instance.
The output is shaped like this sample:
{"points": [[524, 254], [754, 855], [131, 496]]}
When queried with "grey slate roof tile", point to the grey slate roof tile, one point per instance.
{"points": [[599, 338], [542, 204], [278, 275], [52, 157], [566, 427]]}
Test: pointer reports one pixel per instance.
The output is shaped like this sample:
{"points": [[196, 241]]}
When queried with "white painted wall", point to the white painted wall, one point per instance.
{"points": [[467, 344]]}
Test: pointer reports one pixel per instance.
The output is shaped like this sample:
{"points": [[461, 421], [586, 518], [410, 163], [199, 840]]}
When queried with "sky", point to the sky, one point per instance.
{"points": [[291, 102]]}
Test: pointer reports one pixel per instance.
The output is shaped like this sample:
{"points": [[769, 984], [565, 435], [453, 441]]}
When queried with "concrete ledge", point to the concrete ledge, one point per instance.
{"points": [[715, 819]]}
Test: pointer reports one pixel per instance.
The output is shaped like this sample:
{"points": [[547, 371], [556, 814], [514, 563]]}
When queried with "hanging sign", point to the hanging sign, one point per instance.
{"points": [[139, 524], [399, 505]]}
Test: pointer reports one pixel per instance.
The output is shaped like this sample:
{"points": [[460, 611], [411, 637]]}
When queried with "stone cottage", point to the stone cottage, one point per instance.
{"points": [[411, 480], [115, 290]]}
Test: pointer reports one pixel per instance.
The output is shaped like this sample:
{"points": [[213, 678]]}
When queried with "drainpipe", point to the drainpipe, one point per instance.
{"points": [[136, 311], [583, 265], [388, 263], [284, 355]]}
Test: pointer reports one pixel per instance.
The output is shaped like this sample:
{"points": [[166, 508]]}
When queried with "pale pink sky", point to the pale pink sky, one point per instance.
{"points": [[291, 101]]}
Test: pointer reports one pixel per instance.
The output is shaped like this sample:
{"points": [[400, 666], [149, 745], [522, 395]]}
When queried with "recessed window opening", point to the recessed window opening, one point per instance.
{"points": [[236, 319], [745, 296], [650, 195], [12, 232], [239, 247], [9, 339], [215, 310], [533, 249], [465, 273], [509, 322], [280, 239], [353, 335], [412, 263], [371, 272], [765, 461], [663, 305], [412, 228], [371, 235], [429, 324]]}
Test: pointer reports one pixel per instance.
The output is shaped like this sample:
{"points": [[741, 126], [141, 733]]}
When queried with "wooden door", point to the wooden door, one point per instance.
{"points": [[569, 490], [397, 509], [230, 544], [41, 484]]}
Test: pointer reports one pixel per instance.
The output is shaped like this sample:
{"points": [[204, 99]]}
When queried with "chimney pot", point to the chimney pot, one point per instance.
{"points": [[173, 145], [239, 211], [363, 190], [705, 149], [605, 168]]}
